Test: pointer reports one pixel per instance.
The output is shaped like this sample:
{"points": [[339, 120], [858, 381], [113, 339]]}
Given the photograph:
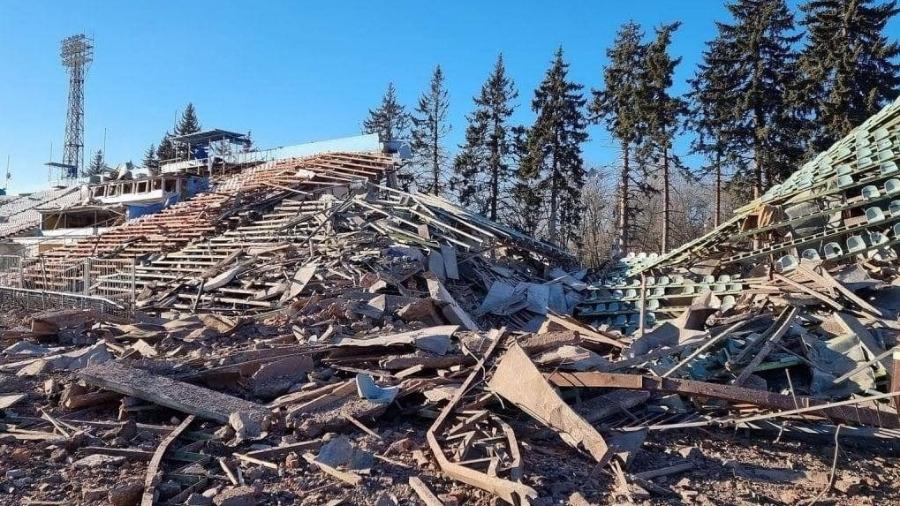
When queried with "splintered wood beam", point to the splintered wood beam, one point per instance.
{"points": [[168, 392]]}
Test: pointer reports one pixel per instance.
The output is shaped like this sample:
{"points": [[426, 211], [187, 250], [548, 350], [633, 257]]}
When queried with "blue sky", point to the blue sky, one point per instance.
{"points": [[294, 71]]}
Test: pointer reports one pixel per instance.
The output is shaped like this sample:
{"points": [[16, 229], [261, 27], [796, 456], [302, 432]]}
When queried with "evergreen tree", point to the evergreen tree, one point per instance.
{"points": [[151, 162], [849, 65], [618, 105], [553, 160], [763, 66], [165, 152], [390, 120], [430, 127], [483, 169], [662, 113], [712, 118], [188, 124], [97, 165]]}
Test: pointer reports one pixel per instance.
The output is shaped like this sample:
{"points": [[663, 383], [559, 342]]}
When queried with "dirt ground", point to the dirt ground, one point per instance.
{"points": [[728, 468]]}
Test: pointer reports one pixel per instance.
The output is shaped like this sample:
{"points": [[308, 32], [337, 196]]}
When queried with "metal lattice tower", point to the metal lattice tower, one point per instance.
{"points": [[77, 53]]}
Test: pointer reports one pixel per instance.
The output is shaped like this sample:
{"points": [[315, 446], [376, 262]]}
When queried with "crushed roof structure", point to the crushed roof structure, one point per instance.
{"points": [[844, 202]]}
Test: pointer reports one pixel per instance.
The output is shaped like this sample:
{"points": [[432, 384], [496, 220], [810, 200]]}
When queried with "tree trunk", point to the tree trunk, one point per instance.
{"points": [[622, 226], [667, 203], [718, 215], [495, 174], [435, 168], [758, 125], [552, 229]]}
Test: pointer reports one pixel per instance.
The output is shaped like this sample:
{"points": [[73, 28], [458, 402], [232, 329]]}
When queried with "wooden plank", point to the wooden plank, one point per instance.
{"points": [[168, 392], [451, 309], [424, 492], [771, 340], [731, 393], [346, 477], [149, 496], [585, 332]]}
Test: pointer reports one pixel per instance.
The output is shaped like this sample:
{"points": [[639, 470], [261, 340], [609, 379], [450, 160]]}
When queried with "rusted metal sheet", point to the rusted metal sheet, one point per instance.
{"points": [[731, 393], [520, 382]]}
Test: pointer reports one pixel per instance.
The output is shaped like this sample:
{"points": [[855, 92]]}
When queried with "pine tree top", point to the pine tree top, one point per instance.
{"points": [[390, 119], [618, 103], [188, 124]]}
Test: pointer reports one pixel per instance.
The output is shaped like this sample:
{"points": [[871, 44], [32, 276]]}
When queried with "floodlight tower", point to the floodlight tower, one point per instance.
{"points": [[77, 52]]}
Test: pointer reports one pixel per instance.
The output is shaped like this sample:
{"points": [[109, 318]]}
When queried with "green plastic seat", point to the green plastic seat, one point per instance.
{"points": [[855, 243]]}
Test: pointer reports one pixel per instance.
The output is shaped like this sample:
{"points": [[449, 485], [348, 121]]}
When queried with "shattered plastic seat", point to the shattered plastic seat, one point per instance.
{"points": [[894, 207], [832, 250], [811, 254], [786, 263], [727, 302], [877, 238], [855, 243]]}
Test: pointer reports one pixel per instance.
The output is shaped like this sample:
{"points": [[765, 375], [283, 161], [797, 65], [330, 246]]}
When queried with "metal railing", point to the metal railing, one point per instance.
{"points": [[104, 284]]}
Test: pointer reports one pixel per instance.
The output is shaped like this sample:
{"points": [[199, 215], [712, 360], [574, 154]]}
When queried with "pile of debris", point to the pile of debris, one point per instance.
{"points": [[349, 343], [389, 398]]}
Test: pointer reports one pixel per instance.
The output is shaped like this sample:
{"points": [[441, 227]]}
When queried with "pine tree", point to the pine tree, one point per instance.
{"points": [[188, 124], [849, 65], [97, 165], [759, 44], [390, 120], [553, 160], [430, 127], [165, 152], [712, 116], [151, 162], [663, 114], [618, 105], [483, 169]]}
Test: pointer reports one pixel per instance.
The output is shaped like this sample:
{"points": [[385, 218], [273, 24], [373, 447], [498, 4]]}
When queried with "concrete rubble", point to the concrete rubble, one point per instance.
{"points": [[349, 343]]}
